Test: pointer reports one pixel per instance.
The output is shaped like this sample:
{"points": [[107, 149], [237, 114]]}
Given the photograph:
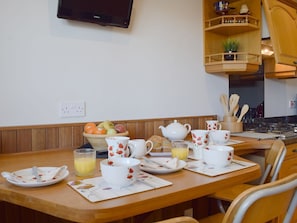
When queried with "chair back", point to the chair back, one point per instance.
{"points": [[274, 161], [265, 202]]}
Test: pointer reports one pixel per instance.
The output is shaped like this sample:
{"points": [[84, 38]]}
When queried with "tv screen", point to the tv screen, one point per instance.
{"points": [[103, 12]]}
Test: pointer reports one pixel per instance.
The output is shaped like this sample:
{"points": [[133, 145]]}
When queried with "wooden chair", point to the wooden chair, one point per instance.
{"points": [[258, 204], [273, 164], [182, 219]]}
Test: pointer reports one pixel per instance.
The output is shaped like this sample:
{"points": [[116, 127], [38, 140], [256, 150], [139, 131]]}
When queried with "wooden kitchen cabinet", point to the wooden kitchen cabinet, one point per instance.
{"points": [[289, 166], [282, 24], [244, 28], [279, 71]]}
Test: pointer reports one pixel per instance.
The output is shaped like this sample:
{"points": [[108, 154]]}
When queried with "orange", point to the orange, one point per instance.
{"points": [[102, 131], [96, 131], [90, 127]]}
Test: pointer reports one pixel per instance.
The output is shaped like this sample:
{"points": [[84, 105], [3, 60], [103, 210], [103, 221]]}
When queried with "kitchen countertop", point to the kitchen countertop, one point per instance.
{"points": [[261, 143], [291, 140]]}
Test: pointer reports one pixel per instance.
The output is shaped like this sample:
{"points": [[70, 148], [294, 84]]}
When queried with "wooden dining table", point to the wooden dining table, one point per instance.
{"points": [[62, 201]]}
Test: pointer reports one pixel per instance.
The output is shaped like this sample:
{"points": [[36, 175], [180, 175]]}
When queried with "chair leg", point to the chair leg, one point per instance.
{"points": [[292, 209], [221, 206]]}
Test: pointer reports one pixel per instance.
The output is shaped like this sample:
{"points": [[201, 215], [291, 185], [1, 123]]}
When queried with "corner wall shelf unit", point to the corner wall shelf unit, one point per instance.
{"points": [[244, 28]]}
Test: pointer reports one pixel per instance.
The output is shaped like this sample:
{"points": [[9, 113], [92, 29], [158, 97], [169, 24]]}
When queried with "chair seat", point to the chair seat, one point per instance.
{"points": [[182, 219], [216, 218], [232, 192]]}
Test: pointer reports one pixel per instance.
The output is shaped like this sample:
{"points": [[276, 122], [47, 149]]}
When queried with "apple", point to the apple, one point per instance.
{"points": [[111, 132], [108, 125], [120, 128]]}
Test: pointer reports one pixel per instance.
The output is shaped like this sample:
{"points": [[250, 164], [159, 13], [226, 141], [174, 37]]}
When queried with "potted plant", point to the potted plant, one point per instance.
{"points": [[230, 46]]}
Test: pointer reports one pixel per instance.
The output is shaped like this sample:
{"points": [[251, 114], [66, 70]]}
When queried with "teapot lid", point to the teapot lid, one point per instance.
{"points": [[175, 123]]}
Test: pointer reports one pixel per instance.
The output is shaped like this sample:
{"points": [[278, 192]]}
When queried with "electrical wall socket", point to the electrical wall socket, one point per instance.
{"points": [[292, 104], [72, 109]]}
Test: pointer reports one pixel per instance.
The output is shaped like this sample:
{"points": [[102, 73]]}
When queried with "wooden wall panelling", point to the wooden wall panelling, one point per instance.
{"points": [[9, 141], [24, 140], [136, 130], [77, 137], [1, 143], [27, 215], [27, 138], [148, 129], [11, 213], [2, 207], [159, 123], [38, 139], [52, 138], [65, 137]]}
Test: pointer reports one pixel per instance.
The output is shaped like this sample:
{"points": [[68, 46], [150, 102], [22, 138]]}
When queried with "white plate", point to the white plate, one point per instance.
{"points": [[26, 178], [161, 154], [159, 169]]}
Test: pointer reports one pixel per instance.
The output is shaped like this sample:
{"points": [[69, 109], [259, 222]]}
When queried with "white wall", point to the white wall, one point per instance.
{"points": [[153, 69], [277, 94]]}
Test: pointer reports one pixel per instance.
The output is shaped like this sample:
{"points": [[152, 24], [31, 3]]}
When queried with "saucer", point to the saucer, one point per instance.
{"points": [[25, 178], [158, 169]]}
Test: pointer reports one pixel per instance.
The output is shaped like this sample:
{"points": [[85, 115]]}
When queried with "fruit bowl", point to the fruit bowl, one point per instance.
{"points": [[98, 141]]}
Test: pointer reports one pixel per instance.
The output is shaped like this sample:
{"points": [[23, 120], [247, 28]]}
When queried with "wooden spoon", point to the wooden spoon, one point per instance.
{"points": [[224, 102], [233, 102], [244, 110], [236, 110]]}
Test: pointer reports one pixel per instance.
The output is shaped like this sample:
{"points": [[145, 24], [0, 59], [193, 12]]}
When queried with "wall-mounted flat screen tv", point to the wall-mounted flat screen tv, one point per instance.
{"points": [[102, 12]]}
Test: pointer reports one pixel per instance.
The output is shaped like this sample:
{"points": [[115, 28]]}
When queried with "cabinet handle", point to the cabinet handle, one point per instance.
{"points": [[294, 150], [294, 62]]}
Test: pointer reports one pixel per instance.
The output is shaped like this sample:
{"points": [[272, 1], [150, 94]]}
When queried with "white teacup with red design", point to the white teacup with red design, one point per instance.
{"points": [[139, 147], [200, 139], [120, 171], [117, 146], [219, 137], [213, 125], [217, 156]]}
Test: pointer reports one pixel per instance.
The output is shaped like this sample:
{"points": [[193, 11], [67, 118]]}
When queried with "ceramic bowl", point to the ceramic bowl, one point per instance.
{"points": [[98, 141], [219, 137], [217, 155], [120, 171]]}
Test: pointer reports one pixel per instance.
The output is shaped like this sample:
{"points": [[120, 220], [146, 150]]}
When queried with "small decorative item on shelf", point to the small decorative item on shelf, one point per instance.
{"points": [[244, 10], [230, 47], [221, 7]]}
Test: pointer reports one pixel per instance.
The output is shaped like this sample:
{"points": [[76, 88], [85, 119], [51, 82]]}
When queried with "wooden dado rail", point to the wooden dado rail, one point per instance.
{"points": [[41, 137]]}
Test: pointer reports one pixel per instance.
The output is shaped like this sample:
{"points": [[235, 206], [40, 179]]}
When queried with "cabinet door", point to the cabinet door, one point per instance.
{"points": [[282, 25], [289, 165]]}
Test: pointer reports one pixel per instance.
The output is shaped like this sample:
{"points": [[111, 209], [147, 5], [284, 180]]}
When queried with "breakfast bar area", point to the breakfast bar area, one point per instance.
{"points": [[63, 202], [189, 190], [125, 111]]}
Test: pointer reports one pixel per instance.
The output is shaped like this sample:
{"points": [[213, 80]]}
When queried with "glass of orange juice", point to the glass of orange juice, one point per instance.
{"points": [[84, 162], [180, 149]]}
